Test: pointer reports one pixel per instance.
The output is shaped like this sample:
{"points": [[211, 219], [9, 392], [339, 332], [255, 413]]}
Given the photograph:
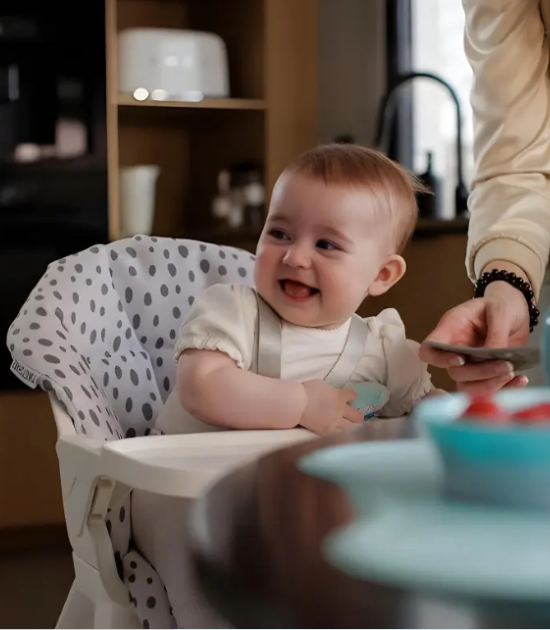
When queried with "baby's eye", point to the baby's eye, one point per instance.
{"points": [[278, 234], [322, 244]]}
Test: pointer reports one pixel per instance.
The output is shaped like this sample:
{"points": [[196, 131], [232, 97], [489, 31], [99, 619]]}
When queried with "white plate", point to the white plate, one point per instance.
{"points": [[408, 534]]}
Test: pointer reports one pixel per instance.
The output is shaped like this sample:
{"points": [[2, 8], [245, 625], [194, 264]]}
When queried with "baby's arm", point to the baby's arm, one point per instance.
{"points": [[407, 376], [215, 390], [214, 352]]}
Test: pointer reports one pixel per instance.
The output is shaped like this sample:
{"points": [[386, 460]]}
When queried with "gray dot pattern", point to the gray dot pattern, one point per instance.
{"points": [[147, 594], [99, 330], [101, 326]]}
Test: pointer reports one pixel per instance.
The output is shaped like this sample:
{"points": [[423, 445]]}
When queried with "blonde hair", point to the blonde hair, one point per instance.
{"points": [[393, 187]]}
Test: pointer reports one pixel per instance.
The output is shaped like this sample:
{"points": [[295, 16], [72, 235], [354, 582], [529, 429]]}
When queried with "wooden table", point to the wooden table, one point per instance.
{"points": [[256, 541]]}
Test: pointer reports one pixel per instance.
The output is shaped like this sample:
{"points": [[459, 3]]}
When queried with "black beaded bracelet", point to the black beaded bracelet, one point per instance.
{"points": [[519, 283]]}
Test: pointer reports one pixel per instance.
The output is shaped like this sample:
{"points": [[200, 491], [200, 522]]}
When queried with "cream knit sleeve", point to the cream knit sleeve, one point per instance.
{"points": [[510, 202]]}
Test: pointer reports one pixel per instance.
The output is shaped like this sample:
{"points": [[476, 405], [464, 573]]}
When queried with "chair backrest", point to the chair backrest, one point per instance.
{"points": [[100, 326]]}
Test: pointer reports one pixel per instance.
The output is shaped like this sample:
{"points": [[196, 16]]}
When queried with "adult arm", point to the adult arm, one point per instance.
{"points": [[510, 201]]}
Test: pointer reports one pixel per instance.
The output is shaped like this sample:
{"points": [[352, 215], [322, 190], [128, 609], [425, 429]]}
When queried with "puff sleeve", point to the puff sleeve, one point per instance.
{"points": [[407, 377], [222, 318]]}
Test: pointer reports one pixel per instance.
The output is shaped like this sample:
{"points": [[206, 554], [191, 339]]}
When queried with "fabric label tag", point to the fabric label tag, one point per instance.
{"points": [[24, 374]]}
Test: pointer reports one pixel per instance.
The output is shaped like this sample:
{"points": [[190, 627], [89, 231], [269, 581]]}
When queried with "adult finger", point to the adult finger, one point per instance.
{"points": [[439, 358], [460, 327], [482, 371], [489, 386], [500, 319], [518, 381]]}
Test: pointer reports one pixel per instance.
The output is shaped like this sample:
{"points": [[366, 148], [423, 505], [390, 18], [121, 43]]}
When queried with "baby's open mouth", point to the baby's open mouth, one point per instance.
{"points": [[297, 290]]}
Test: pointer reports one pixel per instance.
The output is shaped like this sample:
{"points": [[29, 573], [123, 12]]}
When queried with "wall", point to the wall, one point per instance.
{"points": [[30, 494], [352, 69]]}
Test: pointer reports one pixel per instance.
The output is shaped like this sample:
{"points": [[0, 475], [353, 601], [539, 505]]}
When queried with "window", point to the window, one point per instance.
{"points": [[427, 114]]}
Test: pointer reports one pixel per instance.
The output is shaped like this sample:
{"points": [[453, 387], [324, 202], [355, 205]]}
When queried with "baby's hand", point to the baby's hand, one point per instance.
{"points": [[327, 409]]}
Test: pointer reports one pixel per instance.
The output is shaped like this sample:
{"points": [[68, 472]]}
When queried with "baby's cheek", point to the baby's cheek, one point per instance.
{"points": [[261, 269], [346, 283]]}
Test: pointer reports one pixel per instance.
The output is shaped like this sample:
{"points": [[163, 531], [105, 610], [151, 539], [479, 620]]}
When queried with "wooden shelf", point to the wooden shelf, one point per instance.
{"points": [[272, 65], [126, 100]]}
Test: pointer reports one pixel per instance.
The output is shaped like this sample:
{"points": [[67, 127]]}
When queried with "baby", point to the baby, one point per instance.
{"points": [[286, 354]]}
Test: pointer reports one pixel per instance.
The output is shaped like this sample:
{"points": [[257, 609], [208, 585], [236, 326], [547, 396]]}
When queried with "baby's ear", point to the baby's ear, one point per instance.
{"points": [[391, 272]]}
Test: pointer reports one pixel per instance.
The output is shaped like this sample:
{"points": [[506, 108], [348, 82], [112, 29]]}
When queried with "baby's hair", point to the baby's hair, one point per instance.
{"points": [[392, 185]]}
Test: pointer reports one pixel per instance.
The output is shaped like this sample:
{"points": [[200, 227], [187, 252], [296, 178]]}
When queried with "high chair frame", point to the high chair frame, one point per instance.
{"points": [[93, 473], [98, 333]]}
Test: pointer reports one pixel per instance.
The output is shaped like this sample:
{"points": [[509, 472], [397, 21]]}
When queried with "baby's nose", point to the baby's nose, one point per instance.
{"points": [[297, 256]]}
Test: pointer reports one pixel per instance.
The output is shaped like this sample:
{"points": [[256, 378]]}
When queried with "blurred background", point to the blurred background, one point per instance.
{"points": [[113, 124]]}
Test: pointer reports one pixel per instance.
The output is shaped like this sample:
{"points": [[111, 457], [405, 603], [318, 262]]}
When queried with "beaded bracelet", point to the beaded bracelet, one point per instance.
{"points": [[518, 283]]}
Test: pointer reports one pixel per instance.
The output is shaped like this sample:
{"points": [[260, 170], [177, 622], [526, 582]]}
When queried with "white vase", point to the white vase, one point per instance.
{"points": [[138, 186]]}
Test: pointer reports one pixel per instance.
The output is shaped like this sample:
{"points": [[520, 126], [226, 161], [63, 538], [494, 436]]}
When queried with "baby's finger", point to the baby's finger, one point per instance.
{"points": [[488, 386], [343, 425], [481, 371], [353, 415], [348, 395]]}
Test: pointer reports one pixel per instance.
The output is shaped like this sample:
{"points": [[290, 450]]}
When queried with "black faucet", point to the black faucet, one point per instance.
{"points": [[385, 115]]}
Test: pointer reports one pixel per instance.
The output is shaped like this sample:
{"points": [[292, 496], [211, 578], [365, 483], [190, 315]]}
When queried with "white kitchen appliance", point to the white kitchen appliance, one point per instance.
{"points": [[172, 64], [138, 185]]}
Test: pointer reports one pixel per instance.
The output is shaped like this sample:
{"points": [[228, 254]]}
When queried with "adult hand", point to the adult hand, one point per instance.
{"points": [[500, 319]]}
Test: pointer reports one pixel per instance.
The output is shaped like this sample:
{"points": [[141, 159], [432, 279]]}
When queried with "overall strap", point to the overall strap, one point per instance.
{"points": [[353, 350], [267, 341]]}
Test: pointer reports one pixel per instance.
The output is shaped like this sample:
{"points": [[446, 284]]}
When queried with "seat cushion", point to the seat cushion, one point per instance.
{"points": [[147, 593], [99, 331], [99, 328]]}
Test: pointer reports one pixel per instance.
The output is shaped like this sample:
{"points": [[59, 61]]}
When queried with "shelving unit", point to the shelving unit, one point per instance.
{"points": [[125, 100], [270, 117]]}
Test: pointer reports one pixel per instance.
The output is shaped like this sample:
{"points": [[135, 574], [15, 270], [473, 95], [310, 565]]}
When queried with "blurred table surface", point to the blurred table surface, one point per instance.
{"points": [[256, 543]]}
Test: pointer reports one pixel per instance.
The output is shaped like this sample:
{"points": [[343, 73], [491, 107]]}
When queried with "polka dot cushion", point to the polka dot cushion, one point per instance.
{"points": [[147, 593], [100, 327], [99, 331]]}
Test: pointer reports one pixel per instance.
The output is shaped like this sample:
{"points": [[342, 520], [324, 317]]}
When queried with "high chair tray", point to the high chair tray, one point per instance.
{"points": [[183, 464], [408, 535]]}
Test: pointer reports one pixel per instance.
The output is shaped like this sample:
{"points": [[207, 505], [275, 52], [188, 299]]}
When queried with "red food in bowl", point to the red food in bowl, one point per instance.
{"points": [[486, 408], [537, 414], [488, 411]]}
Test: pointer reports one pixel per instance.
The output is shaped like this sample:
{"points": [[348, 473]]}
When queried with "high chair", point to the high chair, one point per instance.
{"points": [[98, 333]]}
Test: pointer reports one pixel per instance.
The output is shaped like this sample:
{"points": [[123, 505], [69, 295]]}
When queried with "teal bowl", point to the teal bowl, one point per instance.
{"points": [[507, 465]]}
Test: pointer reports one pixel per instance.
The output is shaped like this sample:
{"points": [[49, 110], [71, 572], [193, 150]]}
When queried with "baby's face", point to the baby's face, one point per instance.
{"points": [[320, 250]]}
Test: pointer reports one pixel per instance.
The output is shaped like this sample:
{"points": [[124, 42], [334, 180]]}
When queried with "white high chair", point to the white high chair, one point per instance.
{"points": [[98, 333]]}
